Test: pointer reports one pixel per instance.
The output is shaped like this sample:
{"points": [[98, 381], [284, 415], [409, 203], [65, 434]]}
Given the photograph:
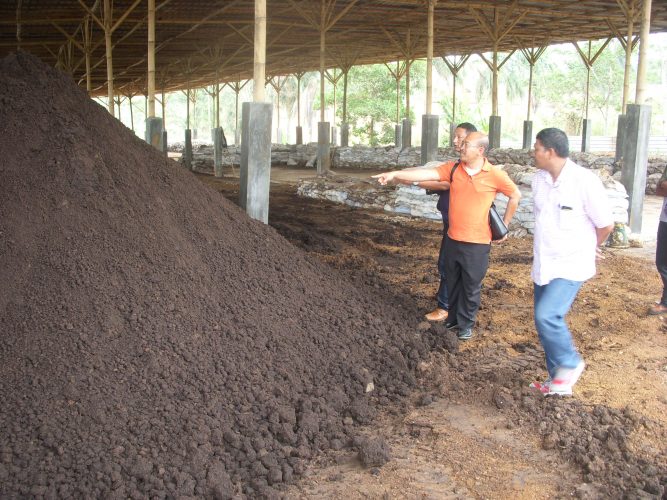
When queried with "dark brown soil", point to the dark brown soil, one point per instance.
{"points": [[155, 341], [613, 432]]}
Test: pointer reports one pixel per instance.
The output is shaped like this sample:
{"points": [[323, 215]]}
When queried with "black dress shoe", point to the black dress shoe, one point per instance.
{"points": [[451, 325]]}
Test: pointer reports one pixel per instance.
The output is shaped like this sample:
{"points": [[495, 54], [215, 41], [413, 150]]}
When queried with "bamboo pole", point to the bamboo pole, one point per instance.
{"points": [[588, 80], [322, 54], [164, 111], [640, 96], [129, 97], [398, 94], [345, 95], [151, 58], [628, 55], [429, 58], [107, 41], [259, 71], [87, 39], [298, 98]]}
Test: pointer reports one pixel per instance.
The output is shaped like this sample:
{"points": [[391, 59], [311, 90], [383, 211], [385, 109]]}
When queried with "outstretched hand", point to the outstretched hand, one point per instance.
{"points": [[384, 178]]}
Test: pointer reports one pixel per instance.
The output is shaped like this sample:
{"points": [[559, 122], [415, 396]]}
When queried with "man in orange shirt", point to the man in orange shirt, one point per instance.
{"points": [[473, 187]]}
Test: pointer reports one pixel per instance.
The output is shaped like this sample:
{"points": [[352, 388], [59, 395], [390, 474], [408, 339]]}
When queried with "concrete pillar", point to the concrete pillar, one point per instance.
{"points": [[323, 148], [452, 134], [299, 135], [187, 153], [154, 132], [527, 134], [217, 151], [620, 136], [255, 173], [635, 160], [345, 134], [586, 131], [429, 150], [165, 144], [397, 135], [494, 131], [237, 135], [334, 136], [406, 134]]}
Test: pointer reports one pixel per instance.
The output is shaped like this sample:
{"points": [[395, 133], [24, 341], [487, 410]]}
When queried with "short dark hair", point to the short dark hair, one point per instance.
{"points": [[554, 138], [469, 127]]}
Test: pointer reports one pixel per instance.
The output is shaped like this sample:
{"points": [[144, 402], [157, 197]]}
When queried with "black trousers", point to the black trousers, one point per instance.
{"points": [[661, 259], [466, 267]]}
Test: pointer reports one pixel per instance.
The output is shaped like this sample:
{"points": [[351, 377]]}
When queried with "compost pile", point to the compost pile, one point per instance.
{"points": [[154, 340]]}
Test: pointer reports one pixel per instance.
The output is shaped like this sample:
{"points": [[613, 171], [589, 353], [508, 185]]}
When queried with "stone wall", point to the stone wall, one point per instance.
{"points": [[414, 201], [389, 157]]}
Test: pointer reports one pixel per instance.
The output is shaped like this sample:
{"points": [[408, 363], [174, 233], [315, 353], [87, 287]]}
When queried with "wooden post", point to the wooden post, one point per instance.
{"points": [[454, 67], [259, 71], [164, 111], [187, 106], [19, 4], [151, 58], [398, 94], [107, 41], [87, 38], [129, 98], [298, 77], [640, 96], [345, 95], [322, 54], [532, 55], [429, 58]]}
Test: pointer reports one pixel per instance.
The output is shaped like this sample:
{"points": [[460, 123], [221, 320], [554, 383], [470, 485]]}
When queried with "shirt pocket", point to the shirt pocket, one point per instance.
{"points": [[569, 214]]}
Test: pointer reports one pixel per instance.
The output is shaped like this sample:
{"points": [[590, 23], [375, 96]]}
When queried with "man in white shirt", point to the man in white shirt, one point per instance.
{"points": [[572, 219]]}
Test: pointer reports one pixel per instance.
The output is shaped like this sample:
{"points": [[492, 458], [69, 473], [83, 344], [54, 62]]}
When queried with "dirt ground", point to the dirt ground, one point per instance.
{"points": [[474, 430]]}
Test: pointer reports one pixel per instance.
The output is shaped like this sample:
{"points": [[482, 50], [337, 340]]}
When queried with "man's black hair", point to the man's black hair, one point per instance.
{"points": [[554, 138], [469, 127]]}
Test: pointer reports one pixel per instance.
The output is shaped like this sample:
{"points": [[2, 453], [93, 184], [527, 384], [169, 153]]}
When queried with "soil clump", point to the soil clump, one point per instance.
{"points": [[155, 341]]}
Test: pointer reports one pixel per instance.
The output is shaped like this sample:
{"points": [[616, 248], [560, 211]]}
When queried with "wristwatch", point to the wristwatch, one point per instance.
{"points": [[415, 183]]}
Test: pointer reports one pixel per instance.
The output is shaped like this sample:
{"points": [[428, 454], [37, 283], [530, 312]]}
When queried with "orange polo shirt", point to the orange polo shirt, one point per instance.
{"points": [[470, 200]]}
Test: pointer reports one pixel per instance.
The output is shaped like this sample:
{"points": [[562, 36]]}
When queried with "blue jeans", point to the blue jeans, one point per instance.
{"points": [[552, 303], [443, 296]]}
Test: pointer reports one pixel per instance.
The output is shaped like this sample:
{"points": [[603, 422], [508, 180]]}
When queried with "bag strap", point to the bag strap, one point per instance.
{"points": [[451, 173]]}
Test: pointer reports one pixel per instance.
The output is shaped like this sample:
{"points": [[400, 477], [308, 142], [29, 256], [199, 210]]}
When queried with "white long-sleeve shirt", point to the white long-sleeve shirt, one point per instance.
{"points": [[566, 214]]}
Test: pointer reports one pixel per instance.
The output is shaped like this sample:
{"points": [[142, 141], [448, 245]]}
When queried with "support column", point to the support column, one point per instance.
{"points": [[621, 132], [429, 149], [255, 159], [187, 153], [398, 135], [165, 146], [635, 160], [154, 132], [494, 132], [527, 134], [406, 137], [323, 148], [299, 134], [256, 136], [586, 131], [344, 134], [334, 136], [217, 151]]}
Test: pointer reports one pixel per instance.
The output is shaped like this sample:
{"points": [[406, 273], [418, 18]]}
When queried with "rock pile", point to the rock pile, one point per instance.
{"points": [[154, 341]]}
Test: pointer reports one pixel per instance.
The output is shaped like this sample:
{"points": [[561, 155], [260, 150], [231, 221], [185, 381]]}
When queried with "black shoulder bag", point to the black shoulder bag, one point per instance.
{"points": [[498, 228]]}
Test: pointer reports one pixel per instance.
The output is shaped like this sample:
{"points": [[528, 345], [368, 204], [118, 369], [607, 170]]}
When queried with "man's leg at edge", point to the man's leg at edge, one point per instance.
{"points": [[661, 265]]}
